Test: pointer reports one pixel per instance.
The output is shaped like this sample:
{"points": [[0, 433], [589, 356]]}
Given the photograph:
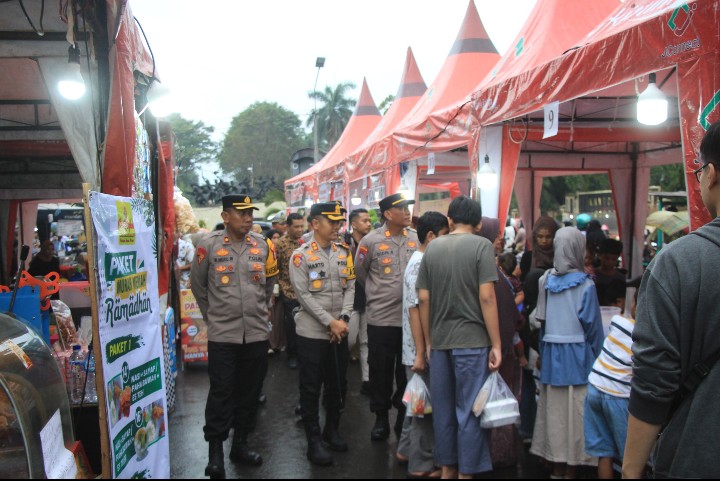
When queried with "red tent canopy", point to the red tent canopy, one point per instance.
{"points": [[412, 87], [362, 123], [472, 56], [598, 80]]}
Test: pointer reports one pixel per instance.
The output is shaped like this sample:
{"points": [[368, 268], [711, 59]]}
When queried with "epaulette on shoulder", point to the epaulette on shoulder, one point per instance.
{"points": [[257, 236], [342, 244]]}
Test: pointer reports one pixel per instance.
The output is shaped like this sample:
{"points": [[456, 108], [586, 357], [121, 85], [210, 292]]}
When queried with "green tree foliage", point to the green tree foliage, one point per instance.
{"points": [[193, 147], [334, 112], [274, 196], [555, 189], [264, 137], [386, 104], [670, 178]]}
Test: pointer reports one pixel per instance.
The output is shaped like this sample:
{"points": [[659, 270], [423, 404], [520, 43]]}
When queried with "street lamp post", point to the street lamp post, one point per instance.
{"points": [[319, 63]]}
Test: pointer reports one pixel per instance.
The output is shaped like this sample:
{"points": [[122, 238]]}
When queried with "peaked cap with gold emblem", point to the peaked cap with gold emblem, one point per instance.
{"points": [[395, 200], [332, 210], [238, 201]]}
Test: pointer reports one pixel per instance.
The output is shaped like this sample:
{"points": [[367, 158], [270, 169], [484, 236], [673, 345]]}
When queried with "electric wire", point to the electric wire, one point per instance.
{"points": [[40, 32]]}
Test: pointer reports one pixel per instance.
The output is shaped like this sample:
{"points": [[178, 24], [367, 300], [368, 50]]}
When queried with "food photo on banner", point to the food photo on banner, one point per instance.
{"points": [[193, 330], [131, 336]]}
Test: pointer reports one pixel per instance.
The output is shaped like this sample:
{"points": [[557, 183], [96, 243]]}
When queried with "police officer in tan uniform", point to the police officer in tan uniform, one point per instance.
{"points": [[232, 278], [382, 257], [323, 276]]}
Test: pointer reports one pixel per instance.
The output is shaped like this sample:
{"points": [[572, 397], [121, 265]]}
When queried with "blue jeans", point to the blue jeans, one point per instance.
{"points": [[606, 424], [456, 377]]}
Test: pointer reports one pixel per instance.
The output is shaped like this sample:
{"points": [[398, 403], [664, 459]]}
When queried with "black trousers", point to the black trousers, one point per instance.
{"points": [[321, 364], [385, 361], [237, 372], [290, 333]]}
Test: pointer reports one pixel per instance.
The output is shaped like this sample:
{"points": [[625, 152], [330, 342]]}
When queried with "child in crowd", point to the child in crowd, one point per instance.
{"points": [[508, 265], [417, 438], [606, 404]]}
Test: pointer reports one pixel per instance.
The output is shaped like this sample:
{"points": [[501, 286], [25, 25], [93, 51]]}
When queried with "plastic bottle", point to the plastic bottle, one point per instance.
{"points": [[76, 377], [91, 389]]}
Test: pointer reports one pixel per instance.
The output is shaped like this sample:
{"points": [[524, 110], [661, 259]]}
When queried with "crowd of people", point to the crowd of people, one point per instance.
{"points": [[451, 299]]}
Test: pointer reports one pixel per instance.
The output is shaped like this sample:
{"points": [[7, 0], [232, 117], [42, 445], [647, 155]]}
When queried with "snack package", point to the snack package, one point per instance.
{"points": [[417, 398], [65, 324], [496, 404], [185, 219]]}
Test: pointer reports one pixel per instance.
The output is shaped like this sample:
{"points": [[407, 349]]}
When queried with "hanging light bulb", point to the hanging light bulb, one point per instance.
{"points": [[72, 85], [487, 177], [356, 200], [652, 105], [159, 99]]}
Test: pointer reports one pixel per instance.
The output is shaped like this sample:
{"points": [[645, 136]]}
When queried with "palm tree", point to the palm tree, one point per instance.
{"points": [[333, 114]]}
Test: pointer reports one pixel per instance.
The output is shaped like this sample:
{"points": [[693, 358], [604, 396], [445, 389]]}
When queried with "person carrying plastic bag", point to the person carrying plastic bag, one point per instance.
{"points": [[495, 404]]}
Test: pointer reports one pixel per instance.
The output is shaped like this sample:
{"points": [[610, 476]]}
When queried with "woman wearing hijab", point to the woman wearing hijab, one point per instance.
{"points": [[533, 265], [571, 338], [502, 440]]}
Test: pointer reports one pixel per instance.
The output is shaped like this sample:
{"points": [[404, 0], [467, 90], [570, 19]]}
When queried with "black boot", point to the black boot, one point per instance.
{"points": [[399, 422], [216, 461], [316, 452], [241, 453], [381, 430], [332, 437]]}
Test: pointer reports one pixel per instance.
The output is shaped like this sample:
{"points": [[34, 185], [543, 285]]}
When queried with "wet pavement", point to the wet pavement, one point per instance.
{"points": [[280, 438]]}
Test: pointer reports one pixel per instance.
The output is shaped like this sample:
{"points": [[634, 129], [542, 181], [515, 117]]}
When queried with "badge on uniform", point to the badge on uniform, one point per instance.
{"points": [[297, 260], [225, 280], [221, 268], [383, 247], [314, 258], [362, 253], [386, 260], [388, 270], [222, 252], [226, 240], [314, 246], [314, 275], [317, 284], [412, 245], [201, 254], [255, 251]]}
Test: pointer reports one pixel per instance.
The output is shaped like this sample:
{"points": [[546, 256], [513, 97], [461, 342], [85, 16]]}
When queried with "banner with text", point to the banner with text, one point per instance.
{"points": [[131, 336]]}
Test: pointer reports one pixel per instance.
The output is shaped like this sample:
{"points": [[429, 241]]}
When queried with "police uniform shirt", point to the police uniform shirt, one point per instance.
{"points": [[325, 286], [233, 285], [380, 267]]}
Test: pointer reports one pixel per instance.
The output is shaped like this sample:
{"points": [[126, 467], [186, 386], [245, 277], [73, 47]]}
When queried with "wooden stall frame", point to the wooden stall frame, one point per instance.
{"points": [[97, 346]]}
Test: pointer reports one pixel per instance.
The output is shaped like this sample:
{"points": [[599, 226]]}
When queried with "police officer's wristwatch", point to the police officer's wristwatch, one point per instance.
{"points": [[345, 318]]}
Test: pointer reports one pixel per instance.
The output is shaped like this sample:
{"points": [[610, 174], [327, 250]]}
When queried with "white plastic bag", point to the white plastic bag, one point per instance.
{"points": [[417, 398], [496, 404]]}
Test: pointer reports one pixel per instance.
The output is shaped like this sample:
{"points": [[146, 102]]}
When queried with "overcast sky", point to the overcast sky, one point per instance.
{"points": [[220, 56]]}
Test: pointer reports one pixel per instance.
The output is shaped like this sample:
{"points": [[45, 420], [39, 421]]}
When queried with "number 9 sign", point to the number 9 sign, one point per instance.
{"points": [[551, 119]]}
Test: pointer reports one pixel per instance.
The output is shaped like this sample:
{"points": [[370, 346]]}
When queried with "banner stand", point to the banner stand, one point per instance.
{"points": [[97, 347]]}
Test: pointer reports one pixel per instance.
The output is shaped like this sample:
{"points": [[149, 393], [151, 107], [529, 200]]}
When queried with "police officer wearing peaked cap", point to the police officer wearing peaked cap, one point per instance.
{"points": [[382, 258], [232, 278], [322, 274]]}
